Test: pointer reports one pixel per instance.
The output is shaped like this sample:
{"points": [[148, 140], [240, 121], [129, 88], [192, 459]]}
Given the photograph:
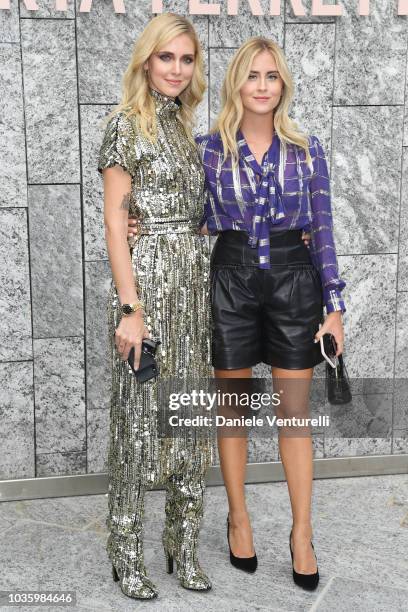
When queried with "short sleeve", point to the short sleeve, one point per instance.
{"points": [[118, 145]]}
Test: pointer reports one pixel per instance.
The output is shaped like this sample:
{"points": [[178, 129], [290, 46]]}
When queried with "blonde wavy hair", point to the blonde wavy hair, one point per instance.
{"points": [[230, 117], [135, 87]]}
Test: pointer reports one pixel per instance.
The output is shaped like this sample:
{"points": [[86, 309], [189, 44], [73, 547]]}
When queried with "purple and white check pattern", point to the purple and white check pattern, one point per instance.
{"points": [[281, 193]]}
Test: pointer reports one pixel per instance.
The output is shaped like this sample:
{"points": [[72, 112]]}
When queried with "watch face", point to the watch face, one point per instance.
{"points": [[127, 309]]}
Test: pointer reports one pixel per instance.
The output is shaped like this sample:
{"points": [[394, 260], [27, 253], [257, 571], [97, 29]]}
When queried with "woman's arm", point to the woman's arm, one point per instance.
{"points": [[117, 189], [322, 246], [117, 186]]}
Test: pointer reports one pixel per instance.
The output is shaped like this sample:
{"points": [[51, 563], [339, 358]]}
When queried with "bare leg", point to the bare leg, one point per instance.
{"points": [[233, 454], [297, 459]]}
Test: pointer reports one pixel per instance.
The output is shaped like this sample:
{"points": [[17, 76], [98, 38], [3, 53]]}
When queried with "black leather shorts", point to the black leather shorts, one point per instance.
{"points": [[268, 316]]}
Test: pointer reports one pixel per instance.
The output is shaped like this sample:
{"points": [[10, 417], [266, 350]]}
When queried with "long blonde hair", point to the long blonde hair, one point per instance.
{"points": [[135, 87], [230, 117]]}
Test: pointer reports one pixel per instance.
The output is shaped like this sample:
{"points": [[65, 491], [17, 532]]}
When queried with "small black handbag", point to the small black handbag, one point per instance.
{"points": [[338, 383], [148, 367]]}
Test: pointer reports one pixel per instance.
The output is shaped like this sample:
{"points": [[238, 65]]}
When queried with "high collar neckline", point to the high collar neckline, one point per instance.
{"points": [[164, 103]]}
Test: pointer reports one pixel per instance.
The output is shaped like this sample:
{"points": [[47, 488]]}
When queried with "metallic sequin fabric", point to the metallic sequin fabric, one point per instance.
{"points": [[170, 260]]}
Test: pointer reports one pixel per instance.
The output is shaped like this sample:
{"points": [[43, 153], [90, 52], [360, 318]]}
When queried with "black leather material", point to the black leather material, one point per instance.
{"points": [[338, 383], [148, 367], [268, 316]]}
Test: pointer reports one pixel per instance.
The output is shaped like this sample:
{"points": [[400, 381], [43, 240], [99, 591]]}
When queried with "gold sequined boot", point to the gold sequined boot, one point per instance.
{"points": [[184, 511], [125, 542]]}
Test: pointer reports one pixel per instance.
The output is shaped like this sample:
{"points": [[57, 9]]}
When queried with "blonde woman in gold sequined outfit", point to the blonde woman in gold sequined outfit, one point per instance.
{"points": [[152, 171]]}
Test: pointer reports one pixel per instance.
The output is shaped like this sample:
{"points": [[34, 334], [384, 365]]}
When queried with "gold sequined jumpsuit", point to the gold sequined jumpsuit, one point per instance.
{"points": [[170, 260]]}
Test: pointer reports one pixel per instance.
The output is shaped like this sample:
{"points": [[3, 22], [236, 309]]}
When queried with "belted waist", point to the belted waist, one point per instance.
{"points": [[180, 226], [277, 238], [286, 248]]}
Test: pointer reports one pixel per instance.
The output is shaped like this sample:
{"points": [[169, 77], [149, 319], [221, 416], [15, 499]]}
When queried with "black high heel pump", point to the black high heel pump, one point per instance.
{"points": [[248, 564], [307, 581], [169, 561]]}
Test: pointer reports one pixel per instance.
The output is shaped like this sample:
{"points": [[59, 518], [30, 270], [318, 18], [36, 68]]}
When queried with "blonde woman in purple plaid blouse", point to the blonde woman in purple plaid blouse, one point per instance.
{"points": [[267, 182]]}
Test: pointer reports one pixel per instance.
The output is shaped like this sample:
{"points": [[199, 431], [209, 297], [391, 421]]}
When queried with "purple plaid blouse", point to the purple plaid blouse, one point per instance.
{"points": [[282, 193]]}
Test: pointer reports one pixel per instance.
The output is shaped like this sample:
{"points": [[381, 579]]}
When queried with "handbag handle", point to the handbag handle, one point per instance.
{"points": [[338, 383]]}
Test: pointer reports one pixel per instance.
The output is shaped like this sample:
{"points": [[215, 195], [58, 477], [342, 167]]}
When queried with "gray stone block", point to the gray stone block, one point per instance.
{"points": [[97, 282], [13, 179], [61, 464], [401, 337], [370, 297], [15, 299], [219, 60], [98, 440], [50, 99], [233, 30], [56, 260], [370, 56], [47, 8], [9, 24], [290, 16], [92, 130], [105, 41], [366, 174], [17, 457], [310, 55], [403, 227], [59, 395]]}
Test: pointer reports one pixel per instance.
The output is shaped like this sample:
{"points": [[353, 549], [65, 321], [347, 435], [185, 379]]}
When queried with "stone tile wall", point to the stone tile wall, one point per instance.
{"points": [[60, 75]]}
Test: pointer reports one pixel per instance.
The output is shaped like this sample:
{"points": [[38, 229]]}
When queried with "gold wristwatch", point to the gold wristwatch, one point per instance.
{"points": [[128, 309]]}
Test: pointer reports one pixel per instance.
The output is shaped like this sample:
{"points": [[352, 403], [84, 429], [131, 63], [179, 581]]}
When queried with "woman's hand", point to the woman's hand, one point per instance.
{"points": [[204, 230], [130, 332], [133, 226], [333, 324], [306, 237]]}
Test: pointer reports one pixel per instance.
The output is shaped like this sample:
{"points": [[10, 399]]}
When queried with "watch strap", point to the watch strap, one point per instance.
{"points": [[128, 309]]}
